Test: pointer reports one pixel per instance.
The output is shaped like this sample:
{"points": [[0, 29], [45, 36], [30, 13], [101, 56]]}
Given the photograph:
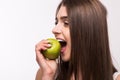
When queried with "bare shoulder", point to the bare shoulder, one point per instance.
{"points": [[118, 77], [38, 74]]}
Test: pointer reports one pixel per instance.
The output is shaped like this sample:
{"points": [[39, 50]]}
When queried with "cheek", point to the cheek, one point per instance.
{"points": [[67, 33]]}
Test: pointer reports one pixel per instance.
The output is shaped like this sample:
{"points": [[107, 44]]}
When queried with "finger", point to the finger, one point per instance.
{"points": [[43, 41], [40, 59], [42, 46]]}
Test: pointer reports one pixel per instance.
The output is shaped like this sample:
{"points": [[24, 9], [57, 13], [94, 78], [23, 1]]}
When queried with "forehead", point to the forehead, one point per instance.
{"points": [[62, 12]]}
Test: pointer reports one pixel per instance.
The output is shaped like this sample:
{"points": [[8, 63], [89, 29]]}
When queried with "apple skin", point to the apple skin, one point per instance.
{"points": [[54, 51]]}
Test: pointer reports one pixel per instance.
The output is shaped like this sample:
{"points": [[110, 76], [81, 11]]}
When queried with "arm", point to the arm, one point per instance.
{"points": [[38, 75], [48, 76]]}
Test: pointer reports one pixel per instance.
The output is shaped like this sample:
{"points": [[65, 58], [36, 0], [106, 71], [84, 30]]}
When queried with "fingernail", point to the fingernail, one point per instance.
{"points": [[49, 45]]}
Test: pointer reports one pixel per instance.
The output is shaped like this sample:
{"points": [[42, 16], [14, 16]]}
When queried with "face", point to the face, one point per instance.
{"points": [[62, 33]]}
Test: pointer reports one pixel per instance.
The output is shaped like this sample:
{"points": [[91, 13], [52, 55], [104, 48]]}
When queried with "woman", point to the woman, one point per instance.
{"points": [[81, 25]]}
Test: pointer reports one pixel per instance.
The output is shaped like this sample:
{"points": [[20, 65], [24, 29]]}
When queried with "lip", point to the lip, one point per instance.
{"points": [[63, 48]]}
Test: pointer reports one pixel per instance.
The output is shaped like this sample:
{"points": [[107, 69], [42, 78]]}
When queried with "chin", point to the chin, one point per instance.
{"points": [[65, 59]]}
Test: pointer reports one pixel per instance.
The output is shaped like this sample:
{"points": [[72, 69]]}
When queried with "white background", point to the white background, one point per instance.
{"points": [[23, 23]]}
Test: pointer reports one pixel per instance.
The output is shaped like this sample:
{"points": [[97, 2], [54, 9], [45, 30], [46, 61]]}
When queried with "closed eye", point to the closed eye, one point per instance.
{"points": [[56, 21], [66, 23]]}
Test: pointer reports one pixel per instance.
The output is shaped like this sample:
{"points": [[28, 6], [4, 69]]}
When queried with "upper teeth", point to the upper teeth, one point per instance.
{"points": [[60, 40]]}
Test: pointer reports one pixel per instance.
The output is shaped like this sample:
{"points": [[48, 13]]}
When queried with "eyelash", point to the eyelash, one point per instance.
{"points": [[65, 23], [56, 22]]}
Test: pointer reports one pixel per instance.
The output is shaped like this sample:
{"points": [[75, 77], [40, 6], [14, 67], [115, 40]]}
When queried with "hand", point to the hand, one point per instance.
{"points": [[48, 67]]}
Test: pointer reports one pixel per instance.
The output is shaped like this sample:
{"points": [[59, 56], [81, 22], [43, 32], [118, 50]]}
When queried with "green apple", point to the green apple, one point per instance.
{"points": [[54, 51]]}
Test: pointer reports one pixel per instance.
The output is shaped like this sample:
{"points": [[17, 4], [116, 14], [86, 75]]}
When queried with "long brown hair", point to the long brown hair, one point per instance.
{"points": [[90, 52]]}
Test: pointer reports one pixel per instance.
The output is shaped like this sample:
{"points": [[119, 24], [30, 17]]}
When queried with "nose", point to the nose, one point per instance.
{"points": [[56, 30]]}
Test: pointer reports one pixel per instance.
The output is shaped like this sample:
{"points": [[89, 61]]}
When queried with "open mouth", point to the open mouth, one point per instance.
{"points": [[62, 43]]}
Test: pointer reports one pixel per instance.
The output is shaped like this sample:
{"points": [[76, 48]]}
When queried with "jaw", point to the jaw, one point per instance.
{"points": [[66, 55]]}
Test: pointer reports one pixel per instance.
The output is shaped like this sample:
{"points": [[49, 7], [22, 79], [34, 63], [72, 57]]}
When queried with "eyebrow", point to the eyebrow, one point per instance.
{"points": [[62, 18]]}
